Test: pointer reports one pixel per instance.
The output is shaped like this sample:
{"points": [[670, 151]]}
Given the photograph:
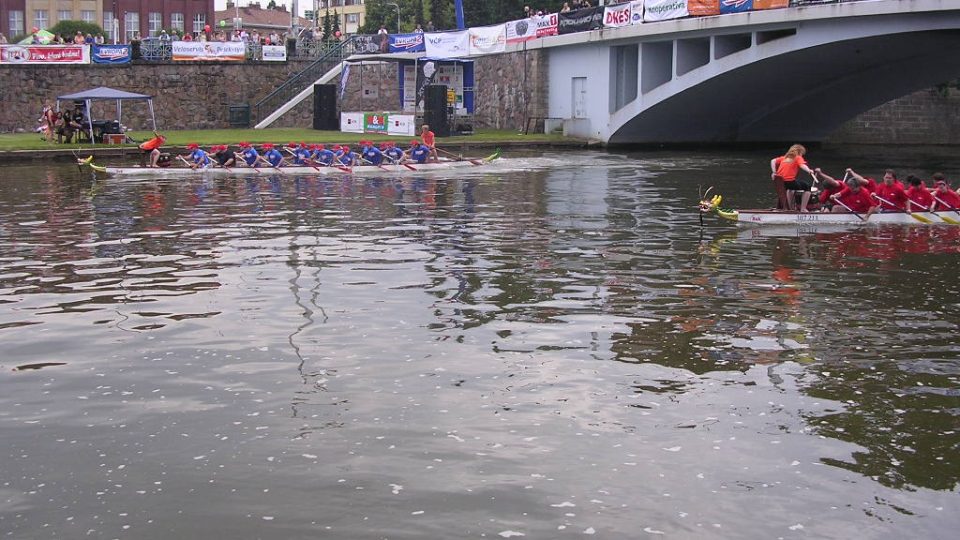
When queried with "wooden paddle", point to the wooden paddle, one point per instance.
{"points": [[371, 163], [309, 161], [948, 220], [398, 162], [918, 217], [838, 201], [460, 157]]}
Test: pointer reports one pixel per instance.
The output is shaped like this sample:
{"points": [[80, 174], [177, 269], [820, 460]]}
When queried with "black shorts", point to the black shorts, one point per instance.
{"points": [[797, 185]]}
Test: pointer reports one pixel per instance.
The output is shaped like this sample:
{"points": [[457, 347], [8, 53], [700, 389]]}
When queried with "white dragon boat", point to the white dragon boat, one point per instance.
{"points": [[295, 170], [760, 217]]}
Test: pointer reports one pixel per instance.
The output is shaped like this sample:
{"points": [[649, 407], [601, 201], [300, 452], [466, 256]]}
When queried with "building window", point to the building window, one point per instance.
{"points": [[353, 18], [154, 23], [199, 21], [131, 25], [88, 16], [16, 23], [64, 15], [41, 19], [108, 25], [176, 21]]}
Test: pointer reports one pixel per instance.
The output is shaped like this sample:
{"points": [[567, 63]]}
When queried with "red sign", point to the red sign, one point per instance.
{"points": [[45, 54]]}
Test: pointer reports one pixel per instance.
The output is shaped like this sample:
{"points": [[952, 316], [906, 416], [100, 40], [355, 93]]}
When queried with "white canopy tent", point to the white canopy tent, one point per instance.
{"points": [[103, 93]]}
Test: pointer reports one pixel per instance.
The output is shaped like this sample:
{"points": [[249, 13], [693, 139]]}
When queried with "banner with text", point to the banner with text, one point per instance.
{"points": [[664, 10], [735, 6], [110, 54], [217, 51], [374, 123], [770, 4], [618, 15], [351, 122], [274, 53], [391, 124], [44, 54], [702, 8], [488, 39], [447, 44], [580, 20], [407, 43]]}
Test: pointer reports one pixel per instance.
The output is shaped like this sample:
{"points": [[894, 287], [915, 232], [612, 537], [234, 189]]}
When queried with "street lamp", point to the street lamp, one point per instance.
{"points": [[398, 14]]}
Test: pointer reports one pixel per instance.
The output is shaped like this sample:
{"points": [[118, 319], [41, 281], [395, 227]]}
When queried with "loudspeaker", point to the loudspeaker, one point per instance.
{"points": [[325, 107], [435, 109]]}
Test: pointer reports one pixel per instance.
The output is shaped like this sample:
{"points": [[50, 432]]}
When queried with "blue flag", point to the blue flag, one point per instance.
{"points": [[460, 24]]}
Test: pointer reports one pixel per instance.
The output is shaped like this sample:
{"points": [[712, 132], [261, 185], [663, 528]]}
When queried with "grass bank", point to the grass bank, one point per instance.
{"points": [[20, 143]]}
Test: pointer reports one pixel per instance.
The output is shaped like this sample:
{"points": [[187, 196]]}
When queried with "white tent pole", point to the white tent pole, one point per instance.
{"points": [[152, 117], [86, 102]]}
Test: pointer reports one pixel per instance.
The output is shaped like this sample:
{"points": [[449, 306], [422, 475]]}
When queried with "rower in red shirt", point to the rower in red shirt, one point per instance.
{"points": [[828, 186], [890, 193], [869, 182], [853, 197], [943, 197], [918, 195]]}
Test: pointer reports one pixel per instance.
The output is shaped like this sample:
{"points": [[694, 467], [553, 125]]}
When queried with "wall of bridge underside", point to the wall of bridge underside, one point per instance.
{"points": [[796, 81]]}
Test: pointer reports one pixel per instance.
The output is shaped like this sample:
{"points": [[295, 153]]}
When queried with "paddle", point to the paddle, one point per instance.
{"points": [[918, 217], [372, 163], [309, 161], [838, 201], [188, 164], [398, 162], [460, 156], [944, 203]]}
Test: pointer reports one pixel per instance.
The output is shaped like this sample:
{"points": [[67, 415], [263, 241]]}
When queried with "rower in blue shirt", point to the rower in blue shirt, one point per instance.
{"points": [[197, 158], [249, 154], [372, 154], [418, 152], [393, 152], [347, 157], [271, 155], [323, 155]]}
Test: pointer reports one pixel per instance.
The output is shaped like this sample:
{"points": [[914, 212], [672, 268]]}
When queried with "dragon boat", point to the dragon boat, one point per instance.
{"points": [[761, 217], [293, 170]]}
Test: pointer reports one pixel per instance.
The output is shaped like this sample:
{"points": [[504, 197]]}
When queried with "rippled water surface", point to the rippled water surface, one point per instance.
{"points": [[550, 347]]}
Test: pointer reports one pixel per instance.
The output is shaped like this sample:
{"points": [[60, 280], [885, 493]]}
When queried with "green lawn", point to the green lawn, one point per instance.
{"points": [[32, 141]]}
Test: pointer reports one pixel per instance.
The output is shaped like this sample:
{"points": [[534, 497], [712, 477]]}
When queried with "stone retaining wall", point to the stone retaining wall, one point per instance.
{"points": [[929, 116]]}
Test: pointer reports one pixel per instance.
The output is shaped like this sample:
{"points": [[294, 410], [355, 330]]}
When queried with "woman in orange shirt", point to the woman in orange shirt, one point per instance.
{"points": [[784, 171]]}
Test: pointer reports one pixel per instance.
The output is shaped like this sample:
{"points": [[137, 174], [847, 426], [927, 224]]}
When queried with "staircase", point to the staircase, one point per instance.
{"points": [[295, 85]]}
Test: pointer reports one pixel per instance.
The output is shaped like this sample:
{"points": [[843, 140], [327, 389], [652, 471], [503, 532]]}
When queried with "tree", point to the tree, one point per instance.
{"points": [[441, 13], [376, 14], [70, 28], [419, 14], [327, 28], [336, 23]]}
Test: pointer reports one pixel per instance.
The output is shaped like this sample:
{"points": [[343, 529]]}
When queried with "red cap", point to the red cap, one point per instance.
{"points": [[413, 142], [292, 145], [193, 146], [266, 145], [243, 144], [345, 148], [320, 146], [303, 144]]}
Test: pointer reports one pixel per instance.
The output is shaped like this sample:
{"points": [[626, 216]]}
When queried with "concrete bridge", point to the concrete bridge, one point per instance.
{"points": [[790, 74]]}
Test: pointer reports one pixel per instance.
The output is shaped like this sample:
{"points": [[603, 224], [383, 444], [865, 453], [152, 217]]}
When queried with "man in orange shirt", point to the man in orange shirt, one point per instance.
{"points": [[427, 137]]}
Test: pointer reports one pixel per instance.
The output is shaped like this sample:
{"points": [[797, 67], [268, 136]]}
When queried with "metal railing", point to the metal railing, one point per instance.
{"points": [[155, 50], [355, 44]]}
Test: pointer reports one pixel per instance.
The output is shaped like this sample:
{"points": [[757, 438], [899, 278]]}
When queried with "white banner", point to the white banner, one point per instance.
{"points": [[409, 87], [547, 24], [488, 39], [534, 27], [401, 124], [636, 12], [232, 51], [351, 122], [618, 15], [662, 10], [274, 53], [448, 44]]}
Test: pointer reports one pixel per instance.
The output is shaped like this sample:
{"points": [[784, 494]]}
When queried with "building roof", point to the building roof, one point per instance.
{"points": [[253, 16]]}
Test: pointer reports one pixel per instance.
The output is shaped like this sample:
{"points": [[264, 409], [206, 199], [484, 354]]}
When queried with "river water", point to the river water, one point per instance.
{"points": [[549, 347]]}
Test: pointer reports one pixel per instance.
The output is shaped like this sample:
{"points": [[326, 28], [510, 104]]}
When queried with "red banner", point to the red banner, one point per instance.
{"points": [[45, 54], [770, 4], [699, 8]]}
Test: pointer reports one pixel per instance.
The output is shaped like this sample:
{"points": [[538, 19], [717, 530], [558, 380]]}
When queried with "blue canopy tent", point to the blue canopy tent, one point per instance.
{"points": [[103, 93]]}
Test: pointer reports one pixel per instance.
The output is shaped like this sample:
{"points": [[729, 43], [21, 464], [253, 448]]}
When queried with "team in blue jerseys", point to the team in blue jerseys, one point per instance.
{"points": [[306, 155]]}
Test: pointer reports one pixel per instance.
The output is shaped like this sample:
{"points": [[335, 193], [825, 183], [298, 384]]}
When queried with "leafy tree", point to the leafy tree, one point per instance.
{"points": [[441, 13], [419, 13], [336, 23], [327, 27], [377, 14], [70, 28]]}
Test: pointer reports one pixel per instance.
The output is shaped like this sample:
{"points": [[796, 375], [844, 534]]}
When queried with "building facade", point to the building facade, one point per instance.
{"points": [[350, 12], [251, 16], [145, 18], [12, 18]]}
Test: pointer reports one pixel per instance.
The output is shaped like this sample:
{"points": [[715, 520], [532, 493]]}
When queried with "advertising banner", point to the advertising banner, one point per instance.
{"points": [[617, 15], [44, 54], [110, 54], [735, 6], [401, 124], [374, 123], [274, 53], [351, 122], [701, 8], [520, 31], [770, 4], [407, 43], [636, 12], [409, 87], [447, 44], [218, 51], [488, 39], [663, 10], [580, 20]]}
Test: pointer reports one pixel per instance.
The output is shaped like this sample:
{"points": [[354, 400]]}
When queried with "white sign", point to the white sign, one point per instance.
{"points": [[448, 44], [401, 124], [662, 10], [618, 15], [488, 39], [274, 53], [522, 30], [234, 51], [636, 12], [409, 88], [351, 122]]}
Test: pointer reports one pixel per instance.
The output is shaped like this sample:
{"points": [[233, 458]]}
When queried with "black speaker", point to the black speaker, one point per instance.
{"points": [[435, 109], [325, 107]]}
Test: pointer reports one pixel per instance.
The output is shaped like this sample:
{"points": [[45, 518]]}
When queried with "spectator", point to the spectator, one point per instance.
{"points": [[430, 27], [565, 8], [417, 30], [3, 39], [187, 37], [99, 39], [88, 39], [164, 36]]}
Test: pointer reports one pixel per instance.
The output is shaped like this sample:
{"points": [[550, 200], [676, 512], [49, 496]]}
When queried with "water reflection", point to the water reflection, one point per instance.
{"points": [[442, 342]]}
